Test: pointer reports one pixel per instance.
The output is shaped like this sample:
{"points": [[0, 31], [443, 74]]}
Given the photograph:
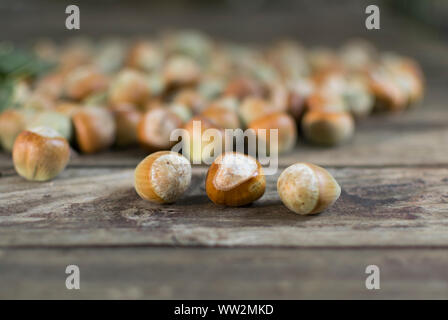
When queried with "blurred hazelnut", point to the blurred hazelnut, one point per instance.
{"points": [[222, 117], [94, 129], [287, 132], [190, 98], [129, 86], [253, 108], [127, 118], [328, 128], [155, 127], [243, 87], [181, 71], [40, 154], [196, 145], [84, 81], [12, 122], [145, 56]]}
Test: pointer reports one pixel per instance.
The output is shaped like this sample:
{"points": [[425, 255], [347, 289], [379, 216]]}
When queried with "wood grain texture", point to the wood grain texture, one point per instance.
{"points": [[191, 273], [99, 207]]}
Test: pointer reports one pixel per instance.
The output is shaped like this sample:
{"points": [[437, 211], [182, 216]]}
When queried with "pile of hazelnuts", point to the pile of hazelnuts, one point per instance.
{"points": [[118, 93]]}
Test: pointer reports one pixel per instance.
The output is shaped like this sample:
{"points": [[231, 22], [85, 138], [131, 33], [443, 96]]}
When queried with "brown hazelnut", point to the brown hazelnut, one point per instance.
{"points": [[155, 127], [162, 177], [84, 81], [235, 179], [222, 117], [196, 144], [94, 129], [127, 118], [328, 128], [287, 132], [40, 154]]}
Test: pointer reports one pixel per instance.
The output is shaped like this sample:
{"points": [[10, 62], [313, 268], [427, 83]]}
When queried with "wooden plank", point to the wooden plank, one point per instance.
{"points": [[413, 138], [191, 273], [99, 207]]}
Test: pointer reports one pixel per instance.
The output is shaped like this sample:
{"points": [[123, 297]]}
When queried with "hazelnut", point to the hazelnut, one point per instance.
{"points": [[51, 85], [129, 86], [181, 71], [253, 108], [222, 117], [162, 177], [145, 56], [127, 118], [182, 111], [67, 108], [235, 179], [191, 99], [328, 128], [305, 188], [242, 88], [287, 132], [39, 101], [196, 144], [388, 93], [84, 81], [12, 122], [40, 154], [94, 129], [155, 127]]}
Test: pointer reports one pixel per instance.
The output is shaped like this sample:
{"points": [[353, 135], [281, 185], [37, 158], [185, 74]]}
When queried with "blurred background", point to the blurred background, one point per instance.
{"points": [[315, 22]]}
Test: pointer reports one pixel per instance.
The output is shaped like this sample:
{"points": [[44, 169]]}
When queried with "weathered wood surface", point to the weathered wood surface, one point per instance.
{"points": [[378, 207], [192, 273]]}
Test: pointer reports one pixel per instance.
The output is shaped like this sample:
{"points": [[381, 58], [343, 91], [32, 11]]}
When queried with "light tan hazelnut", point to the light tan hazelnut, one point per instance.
{"points": [[145, 56], [190, 98], [235, 179], [328, 128], [155, 127], [40, 154], [129, 86], [388, 93], [181, 71], [84, 81], [94, 129], [162, 177], [305, 188]]}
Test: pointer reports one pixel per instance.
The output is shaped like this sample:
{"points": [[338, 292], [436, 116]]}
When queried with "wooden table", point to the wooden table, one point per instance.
{"points": [[393, 213]]}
